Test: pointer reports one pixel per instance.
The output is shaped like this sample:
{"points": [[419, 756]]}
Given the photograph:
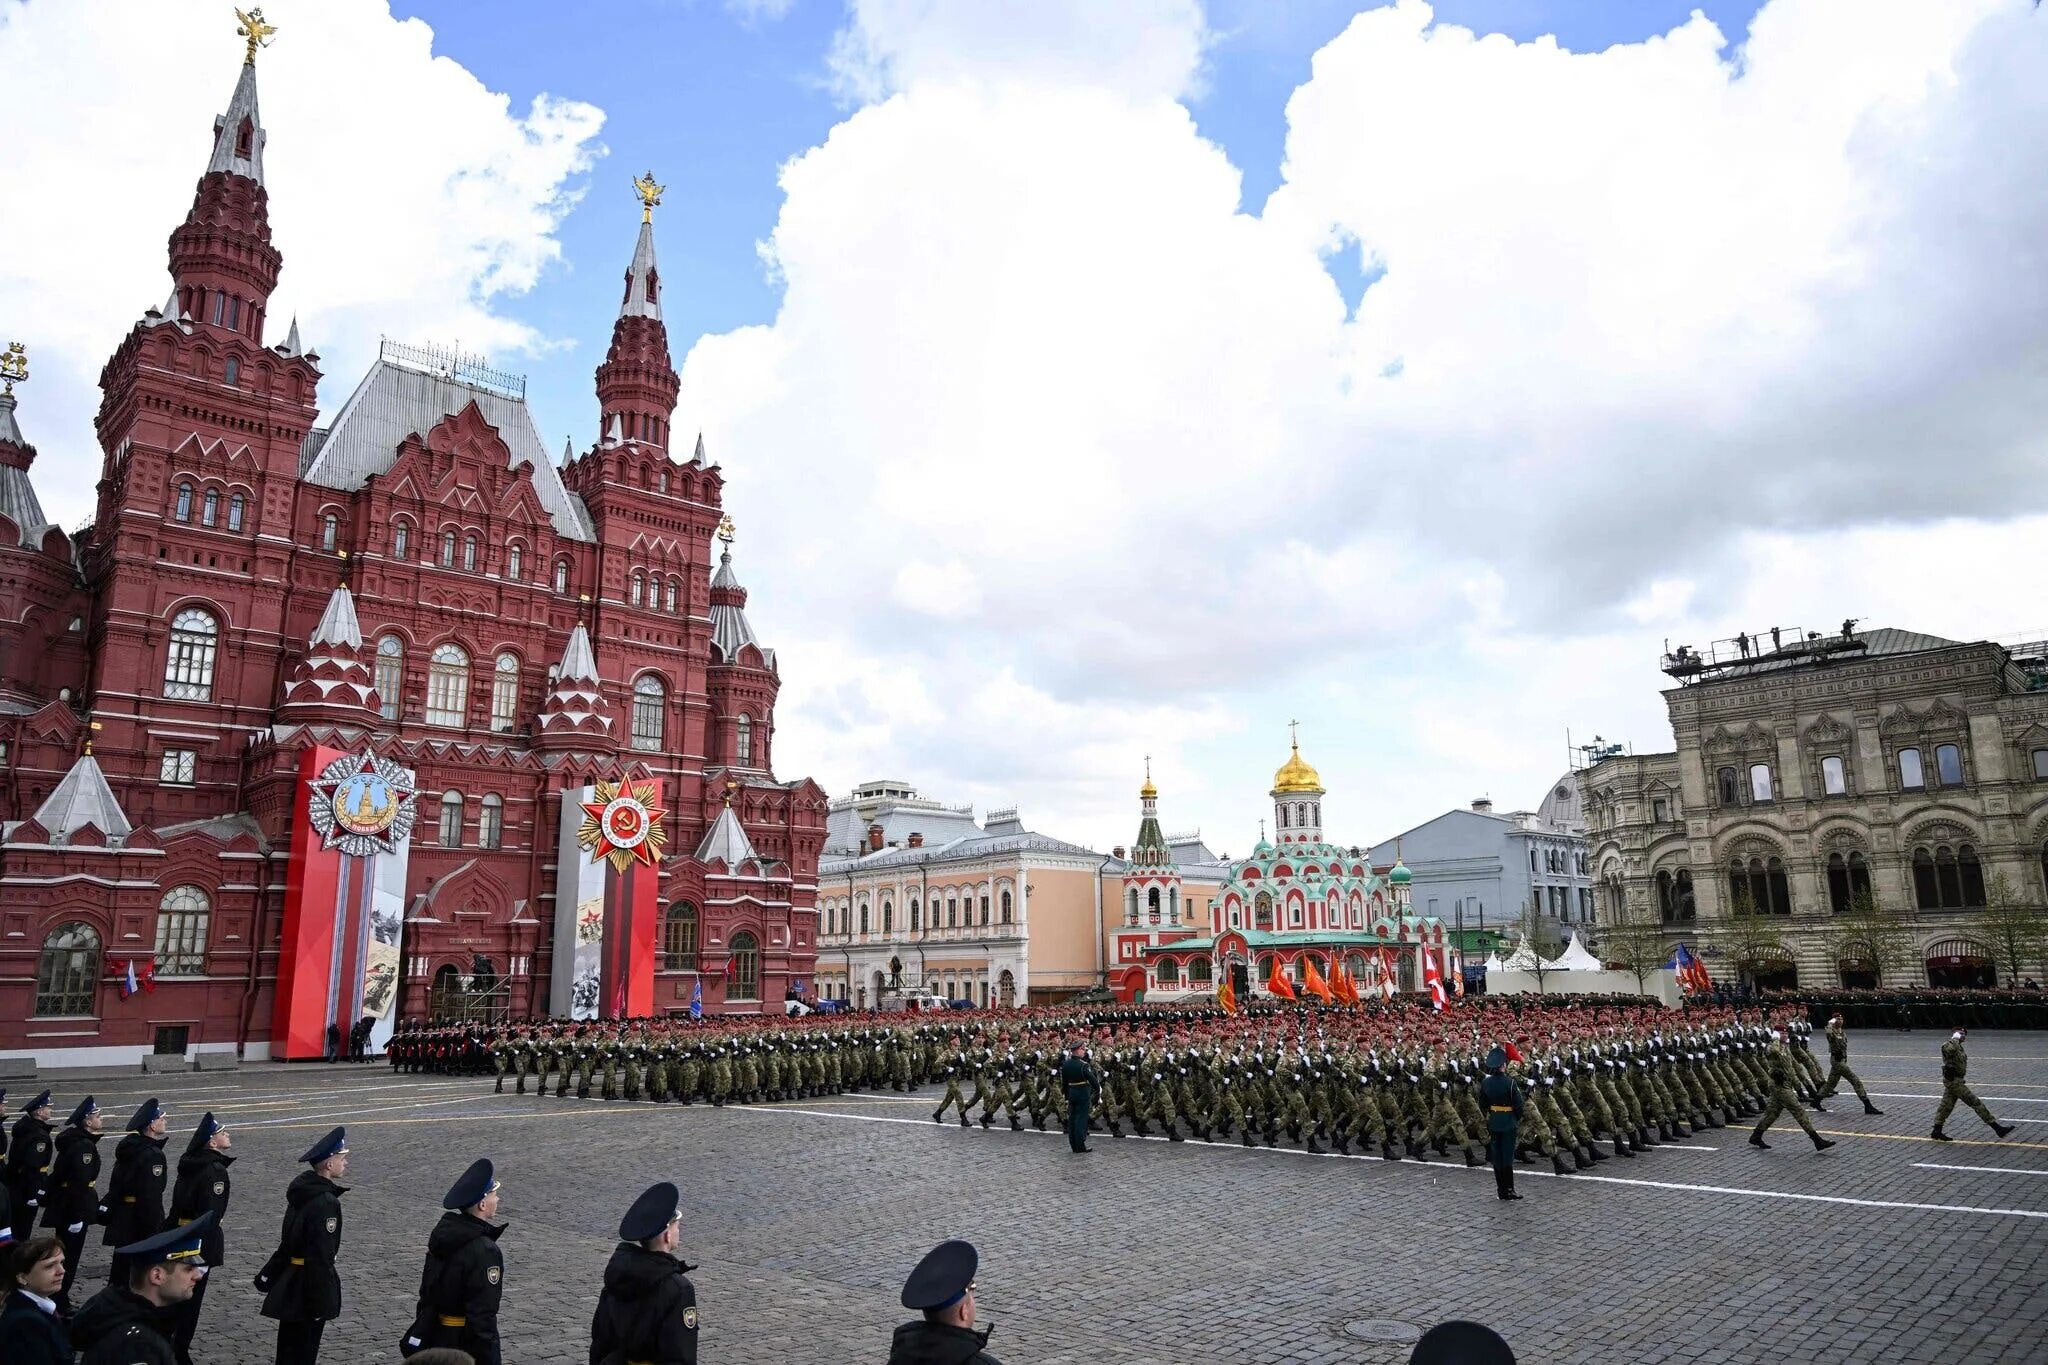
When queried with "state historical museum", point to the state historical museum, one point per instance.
{"points": [[391, 718]]}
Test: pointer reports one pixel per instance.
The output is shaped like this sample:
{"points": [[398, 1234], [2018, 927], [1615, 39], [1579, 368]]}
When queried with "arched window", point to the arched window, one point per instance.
{"points": [[1973, 877], [1762, 883], [447, 549], [637, 592], [1173, 905], [505, 692], [679, 938], [515, 561], [561, 575], [1152, 905], [743, 740], [181, 932], [1912, 777], [916, 916], [1169, 973], [490, 826], [68, 973], [232, 374], [1946, 878], [1729, 785], [1131, 906], [188, 670], [650, 703], [888, 916], [1834, 778], [745, 976], [1007, 917], [1199, 972], [451, 819], [1760, 787], [1948, 765], [1283, 817], [952, 913], [236, 506], [184, 507], [469, 553], [390, 675], [448, 685], [674, 594], [209, 508], [330, 531], [1848, 878], [401, 540], [863, 915], [984, 909]]}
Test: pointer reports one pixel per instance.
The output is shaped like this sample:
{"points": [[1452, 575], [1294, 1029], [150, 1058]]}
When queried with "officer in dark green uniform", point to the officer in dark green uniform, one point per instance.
{"points": [[1079, 1083], [1502, 1100]]}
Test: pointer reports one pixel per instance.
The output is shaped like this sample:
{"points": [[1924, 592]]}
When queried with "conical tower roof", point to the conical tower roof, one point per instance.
{"points": [[727, 842], [577, 714], [82, 799]]}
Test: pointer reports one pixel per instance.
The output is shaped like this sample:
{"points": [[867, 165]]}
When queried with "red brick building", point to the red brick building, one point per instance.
{"points": [[415, 578]]}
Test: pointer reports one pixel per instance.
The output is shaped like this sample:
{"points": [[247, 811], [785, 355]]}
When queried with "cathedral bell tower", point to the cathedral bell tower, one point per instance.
{"points": [[1297, 799], [637, 383]]}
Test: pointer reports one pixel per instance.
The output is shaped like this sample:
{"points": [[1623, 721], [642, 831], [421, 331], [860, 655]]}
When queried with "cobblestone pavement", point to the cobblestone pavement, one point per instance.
{"points": [[806, 1217]]}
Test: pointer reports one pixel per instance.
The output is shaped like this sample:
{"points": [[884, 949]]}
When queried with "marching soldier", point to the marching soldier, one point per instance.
{"points": [[135, 1190], [648, 1311], [1783, 1073], [124, 1323], [1838, 1065], [941, 1288], [301, 1288], [201, 1191], [29, 1157], [1955, 1066], [463, 1278], [1502, 1100], [72, 1203]]}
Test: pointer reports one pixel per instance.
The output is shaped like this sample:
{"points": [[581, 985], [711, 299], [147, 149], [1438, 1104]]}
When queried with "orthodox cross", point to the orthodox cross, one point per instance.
{"points": [[1293, 734]]}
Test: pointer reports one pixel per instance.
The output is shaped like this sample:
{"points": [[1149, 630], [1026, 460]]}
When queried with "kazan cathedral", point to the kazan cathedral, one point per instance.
{"points": [[417, 589], [1298, 899]]}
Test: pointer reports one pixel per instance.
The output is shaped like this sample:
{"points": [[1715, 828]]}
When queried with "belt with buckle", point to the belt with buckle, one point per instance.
{"points": [[298, 1260], [451, 1320]]}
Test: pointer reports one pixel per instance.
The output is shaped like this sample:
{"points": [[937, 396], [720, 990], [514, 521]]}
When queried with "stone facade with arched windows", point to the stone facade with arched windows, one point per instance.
{"points": [[526, 624], [1911, 767]]}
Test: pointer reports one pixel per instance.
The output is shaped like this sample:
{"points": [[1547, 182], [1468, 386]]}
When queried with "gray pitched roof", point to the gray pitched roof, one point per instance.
{"points": [[957, 850], [338, 625], [578, 663], [730, 630], [82, 798], [726, 842], [242, 104], [846, 831], [18, 500], [394, 402]]}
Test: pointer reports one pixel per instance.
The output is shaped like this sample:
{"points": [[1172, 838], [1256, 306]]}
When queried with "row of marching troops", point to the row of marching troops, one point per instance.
{"points": [[1925, 1007], [149, 1311]]}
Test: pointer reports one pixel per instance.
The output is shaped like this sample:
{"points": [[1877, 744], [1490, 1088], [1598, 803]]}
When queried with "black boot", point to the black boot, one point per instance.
{"points": [[1621, 1147], [1472, 1158], [1595, 1154], [1579, 1161], [1940, 1136], [1557, 1164], [1869, 1108], [1756, 1139], [1387, 1152], [1821, 1144], [2001, 1128], [1016, 1124], [938, 1116], [1247, 1136], [963, 1121]]}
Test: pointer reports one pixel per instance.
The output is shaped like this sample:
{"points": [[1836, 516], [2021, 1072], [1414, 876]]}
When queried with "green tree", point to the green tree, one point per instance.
{"points": [[2015, 928], [1874, 934], [1751, 939]]}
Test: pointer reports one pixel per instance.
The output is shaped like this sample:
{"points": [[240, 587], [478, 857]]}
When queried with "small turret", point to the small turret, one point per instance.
{"points": [[576, 714], [334, 682]]}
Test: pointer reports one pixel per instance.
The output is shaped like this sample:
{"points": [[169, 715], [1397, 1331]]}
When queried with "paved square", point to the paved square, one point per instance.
{"points": [[806, 1217]]}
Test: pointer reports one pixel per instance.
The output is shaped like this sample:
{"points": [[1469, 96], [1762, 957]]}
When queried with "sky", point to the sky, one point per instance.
{"points": [[1102, 381]]}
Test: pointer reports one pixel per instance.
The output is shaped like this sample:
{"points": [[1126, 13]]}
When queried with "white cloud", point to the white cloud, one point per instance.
{"points": [[408, 199], [1674, 337]]}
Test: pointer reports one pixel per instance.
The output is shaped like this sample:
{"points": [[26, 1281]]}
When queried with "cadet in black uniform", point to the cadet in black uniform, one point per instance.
{"points": [[202, 1188], [28, 1163], [71, 1204], [135, 1189], [942, 1289], [301, 1288], [648, 1311], [1502, 1100], [463, 1278], [124, 1324], [1080, 1084]]}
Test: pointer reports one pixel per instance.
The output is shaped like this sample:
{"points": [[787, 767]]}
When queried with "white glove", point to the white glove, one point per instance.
{"points": [[76, 1227]]}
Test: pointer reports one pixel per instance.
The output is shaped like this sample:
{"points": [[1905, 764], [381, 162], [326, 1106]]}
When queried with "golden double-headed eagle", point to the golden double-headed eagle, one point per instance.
{"points": [[650, 195], [255, 30]]}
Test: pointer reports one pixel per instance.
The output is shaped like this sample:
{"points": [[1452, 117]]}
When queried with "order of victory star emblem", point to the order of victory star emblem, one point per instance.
{"points": [[363, 804], [621, 822]]}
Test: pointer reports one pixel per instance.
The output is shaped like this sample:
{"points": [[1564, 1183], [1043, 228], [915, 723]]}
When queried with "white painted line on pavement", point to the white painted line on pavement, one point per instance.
{"points": [[1990, 1170], [2002, 1099], [352, 1113], [1483, 1170]]}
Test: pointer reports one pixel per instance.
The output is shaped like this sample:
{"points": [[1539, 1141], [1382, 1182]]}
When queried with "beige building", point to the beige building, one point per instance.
{"points": [[1819, 766]]}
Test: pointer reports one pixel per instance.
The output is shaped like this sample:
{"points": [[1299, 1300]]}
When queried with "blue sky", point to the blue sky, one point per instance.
{"points": [[715, 101]]}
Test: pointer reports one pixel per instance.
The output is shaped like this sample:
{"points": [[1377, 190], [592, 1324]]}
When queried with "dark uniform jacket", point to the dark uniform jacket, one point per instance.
{"points": [[648, 1311], [938, 1343], [73, 1195], [203, 1188], [32, 1336], [299, 1281], [1502, 1099], [1076, 1071], [28, 1160], [460, 1286], [119, 1327], [135, 1191]]}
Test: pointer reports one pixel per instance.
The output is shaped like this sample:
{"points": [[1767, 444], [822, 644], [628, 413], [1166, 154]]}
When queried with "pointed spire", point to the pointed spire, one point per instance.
{"points": [[578, 663], [615, 431], [292, 345], [238, 134], [338, 625], [643, 280], [10, 431], [698, 458], [568, 450], [726, 841], [576, 714], [81, 800]]}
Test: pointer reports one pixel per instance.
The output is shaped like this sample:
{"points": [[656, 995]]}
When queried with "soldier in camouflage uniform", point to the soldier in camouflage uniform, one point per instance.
{"points": [[1838, 1066], [1784, 1075], [1955, 1089]]}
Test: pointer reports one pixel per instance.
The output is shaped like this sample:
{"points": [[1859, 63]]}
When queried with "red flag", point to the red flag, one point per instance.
{"points": [[1312, 981], [1276, 984], [1432, 979], [148, 974], [1226, 996], [1514, 1053], [1387, 973]]}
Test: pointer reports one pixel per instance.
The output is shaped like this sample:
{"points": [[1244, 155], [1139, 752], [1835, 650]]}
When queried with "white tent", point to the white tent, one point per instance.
{"points": [[1522, 959], [1575, 958], [1493, 962]]}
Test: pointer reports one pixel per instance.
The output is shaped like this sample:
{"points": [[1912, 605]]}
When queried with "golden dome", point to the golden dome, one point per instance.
{"points": [[1295, 775], [1148, 792]]}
